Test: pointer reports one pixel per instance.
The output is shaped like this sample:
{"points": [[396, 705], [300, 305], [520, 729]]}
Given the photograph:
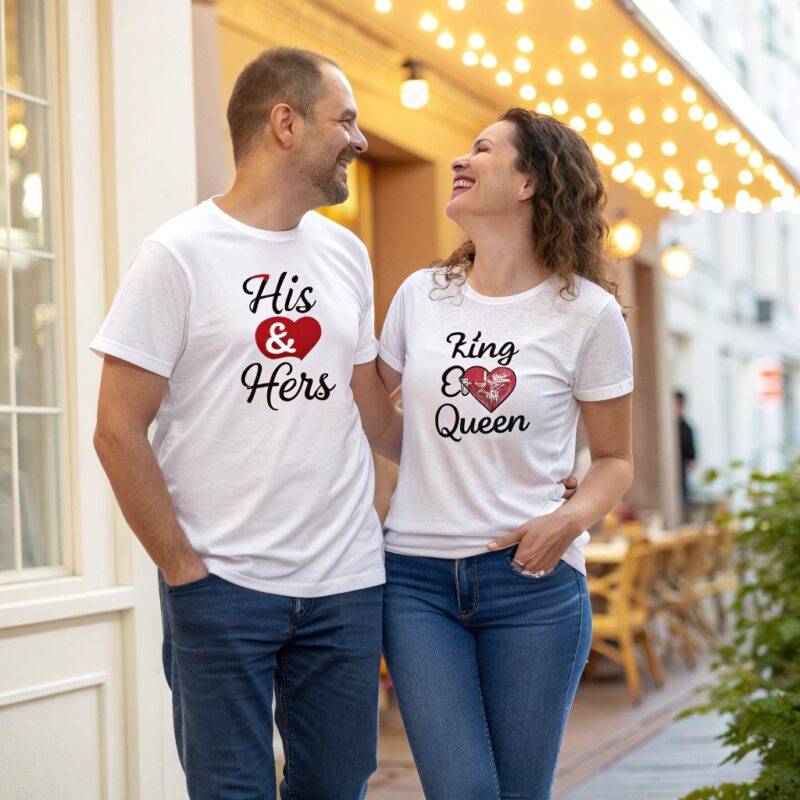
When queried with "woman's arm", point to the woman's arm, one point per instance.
{"points": [[542, 541]]}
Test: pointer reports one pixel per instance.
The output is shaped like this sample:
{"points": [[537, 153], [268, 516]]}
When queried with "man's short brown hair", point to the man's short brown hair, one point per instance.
{"points": [[279, 75]]}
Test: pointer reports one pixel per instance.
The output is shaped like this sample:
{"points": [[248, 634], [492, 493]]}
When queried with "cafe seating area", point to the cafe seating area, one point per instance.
{"points": [[657, 594]]}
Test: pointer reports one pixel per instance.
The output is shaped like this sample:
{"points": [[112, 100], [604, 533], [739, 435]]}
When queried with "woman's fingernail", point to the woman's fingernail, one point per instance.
{"points": [[492, 545]]}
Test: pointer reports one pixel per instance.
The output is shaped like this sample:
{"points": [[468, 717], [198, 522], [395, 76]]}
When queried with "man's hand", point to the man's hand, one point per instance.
{"points": [[192, 571]]}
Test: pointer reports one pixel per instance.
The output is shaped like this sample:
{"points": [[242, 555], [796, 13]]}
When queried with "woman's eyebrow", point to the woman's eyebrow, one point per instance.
{"points": [[478, 141]]}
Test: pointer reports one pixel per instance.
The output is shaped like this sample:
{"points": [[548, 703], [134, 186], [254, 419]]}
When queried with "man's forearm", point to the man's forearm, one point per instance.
{"points": [[605, 483], [141, 492]]}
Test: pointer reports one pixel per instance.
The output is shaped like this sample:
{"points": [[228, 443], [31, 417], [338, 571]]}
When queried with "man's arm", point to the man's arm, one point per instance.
{"points": [[382, 420], [129, 399]]}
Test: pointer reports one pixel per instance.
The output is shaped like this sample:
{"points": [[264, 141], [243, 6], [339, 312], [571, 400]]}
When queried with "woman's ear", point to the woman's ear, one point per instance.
{"points": [[525, 192]]}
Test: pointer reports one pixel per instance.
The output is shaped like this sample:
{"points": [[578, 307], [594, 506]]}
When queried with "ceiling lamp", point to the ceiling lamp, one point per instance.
{"points": [[676, 261], [414, 91], [383, 6], [630, 48], [525, 44], [428, 22], [625, 238], [649, 64], [577, 45]]}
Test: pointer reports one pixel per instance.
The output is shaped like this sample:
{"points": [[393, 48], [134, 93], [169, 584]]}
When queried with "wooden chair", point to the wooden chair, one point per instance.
{"points": [[669, 602], [625, 621], [680, 585], [719, 576]]}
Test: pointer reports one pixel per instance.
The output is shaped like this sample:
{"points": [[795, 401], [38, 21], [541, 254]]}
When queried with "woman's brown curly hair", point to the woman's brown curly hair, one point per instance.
{"points": [[570, 233]]}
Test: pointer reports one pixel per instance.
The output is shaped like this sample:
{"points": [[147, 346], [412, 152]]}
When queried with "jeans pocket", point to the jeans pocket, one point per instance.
{"points": [[188, 587]]}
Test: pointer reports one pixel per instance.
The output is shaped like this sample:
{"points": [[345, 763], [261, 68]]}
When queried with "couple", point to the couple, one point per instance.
{"points": [[244, 328]]}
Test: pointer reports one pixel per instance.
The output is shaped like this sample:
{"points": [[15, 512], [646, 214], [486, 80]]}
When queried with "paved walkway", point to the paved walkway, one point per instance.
{"points": [[683, 757]]}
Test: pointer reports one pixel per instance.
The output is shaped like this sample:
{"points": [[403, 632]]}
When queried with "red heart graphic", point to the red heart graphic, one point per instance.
{"points": [[490, 389], [281, 337]]}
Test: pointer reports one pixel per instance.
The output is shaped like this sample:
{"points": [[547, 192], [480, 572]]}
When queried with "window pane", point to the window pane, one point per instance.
{"points": [[5, 394], [28, 174], [34, 330], [25, 47], [38, 489], [6, 496], [17, 135]]}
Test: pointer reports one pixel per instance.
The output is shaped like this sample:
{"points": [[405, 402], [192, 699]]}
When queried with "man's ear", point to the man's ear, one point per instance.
{"points": [[287, 125]]}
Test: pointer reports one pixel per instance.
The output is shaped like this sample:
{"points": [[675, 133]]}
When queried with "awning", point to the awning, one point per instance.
{"points": [[659, 109]]}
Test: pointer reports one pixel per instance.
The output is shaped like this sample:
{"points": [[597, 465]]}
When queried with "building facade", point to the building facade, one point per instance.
{"points": [[734, 321]]}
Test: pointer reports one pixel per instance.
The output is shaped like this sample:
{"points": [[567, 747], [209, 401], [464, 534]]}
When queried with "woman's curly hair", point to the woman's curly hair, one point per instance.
{"points": [[570, 233]]}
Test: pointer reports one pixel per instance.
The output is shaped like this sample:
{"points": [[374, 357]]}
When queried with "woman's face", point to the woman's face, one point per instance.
{"points": [[485, 180]]}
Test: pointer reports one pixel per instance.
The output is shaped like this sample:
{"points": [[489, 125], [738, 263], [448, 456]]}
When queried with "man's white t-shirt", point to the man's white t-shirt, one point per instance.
{"points": [[490, 403], [258, 435]]}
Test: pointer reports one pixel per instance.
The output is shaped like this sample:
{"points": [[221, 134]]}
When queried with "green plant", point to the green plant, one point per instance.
{"points": [[758, 686]]}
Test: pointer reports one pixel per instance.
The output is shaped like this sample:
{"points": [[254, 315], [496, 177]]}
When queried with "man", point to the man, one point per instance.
{"points": [[686, 447], [244, 328]]}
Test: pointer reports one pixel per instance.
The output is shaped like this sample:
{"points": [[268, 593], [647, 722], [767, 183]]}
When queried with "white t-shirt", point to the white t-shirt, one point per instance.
{"points": [[490, 401], [258, 435]]}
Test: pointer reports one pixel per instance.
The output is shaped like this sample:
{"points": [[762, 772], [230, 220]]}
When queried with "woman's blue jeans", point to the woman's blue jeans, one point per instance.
{"points": [[485, 663]]}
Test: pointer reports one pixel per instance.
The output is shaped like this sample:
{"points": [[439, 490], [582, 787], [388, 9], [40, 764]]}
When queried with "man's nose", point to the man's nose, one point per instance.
{"points": [[358, 141]]}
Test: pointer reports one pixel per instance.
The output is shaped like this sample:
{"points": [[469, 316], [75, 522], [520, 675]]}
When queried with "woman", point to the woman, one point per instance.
{"points": [[499, 349]]}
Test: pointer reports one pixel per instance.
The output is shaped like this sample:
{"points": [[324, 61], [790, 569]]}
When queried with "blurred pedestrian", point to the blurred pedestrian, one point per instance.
{"points": [[686, 449], [499, 349]]}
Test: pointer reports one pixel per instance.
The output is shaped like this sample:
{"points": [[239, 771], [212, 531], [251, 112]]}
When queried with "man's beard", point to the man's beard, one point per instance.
{"points": [[333, 188]]}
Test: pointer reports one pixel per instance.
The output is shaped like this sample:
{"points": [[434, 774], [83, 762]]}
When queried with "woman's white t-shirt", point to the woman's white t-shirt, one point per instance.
{"points": [[490, 394]]}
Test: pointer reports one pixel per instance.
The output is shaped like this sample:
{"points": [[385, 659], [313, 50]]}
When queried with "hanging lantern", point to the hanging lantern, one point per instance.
{"points": [[625, 238], [414, 91], [676, 261]]}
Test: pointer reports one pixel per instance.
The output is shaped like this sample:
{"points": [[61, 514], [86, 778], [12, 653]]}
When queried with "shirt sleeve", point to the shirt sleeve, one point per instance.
{"points": [[148, 320], [393, 342], [366, 348], [605, 362]]}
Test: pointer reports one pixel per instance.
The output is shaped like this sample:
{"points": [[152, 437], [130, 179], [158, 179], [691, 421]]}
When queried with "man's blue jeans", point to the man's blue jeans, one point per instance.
{"points": [[485, 663], [224, 648]]}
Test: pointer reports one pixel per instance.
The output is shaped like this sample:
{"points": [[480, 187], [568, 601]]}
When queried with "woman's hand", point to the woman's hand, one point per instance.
{"points": [[542, 542], [570, 486]]}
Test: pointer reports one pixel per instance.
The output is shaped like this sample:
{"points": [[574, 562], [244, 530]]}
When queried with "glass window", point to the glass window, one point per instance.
{"points": [[31, 395]]}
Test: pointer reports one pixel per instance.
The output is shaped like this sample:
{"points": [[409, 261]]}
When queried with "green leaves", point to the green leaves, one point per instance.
{"points": [[758, 673]]}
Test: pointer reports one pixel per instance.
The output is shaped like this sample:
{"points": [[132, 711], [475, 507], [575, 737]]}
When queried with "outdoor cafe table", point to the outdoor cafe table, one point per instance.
{"points": [[609, 553], [612, 553]]}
